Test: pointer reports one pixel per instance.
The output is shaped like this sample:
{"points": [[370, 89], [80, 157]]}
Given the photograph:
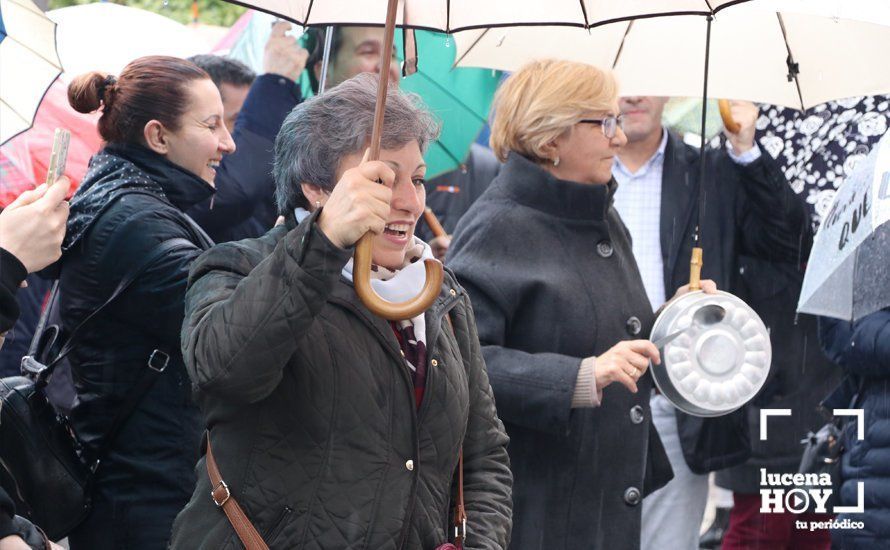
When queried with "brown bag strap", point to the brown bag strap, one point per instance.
{"points": [[224, 499], [460, 512]]}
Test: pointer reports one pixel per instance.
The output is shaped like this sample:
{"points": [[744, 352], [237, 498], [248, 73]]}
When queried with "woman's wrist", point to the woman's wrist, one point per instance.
{"points": [[326, 229]]}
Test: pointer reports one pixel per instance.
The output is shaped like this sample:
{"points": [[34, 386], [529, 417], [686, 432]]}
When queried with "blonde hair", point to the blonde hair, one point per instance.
{"points": [[543, 100]]}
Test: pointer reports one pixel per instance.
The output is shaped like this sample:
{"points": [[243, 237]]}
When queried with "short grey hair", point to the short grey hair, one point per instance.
{"points": [[322, 130]]}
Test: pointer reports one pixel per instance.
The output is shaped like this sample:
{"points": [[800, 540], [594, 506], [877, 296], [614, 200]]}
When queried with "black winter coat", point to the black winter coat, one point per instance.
{"points": [[451, 194], [311, 408], [749, 211], [130, 201], [799, 379], [549, 267], [863, 350], [12, 273]]}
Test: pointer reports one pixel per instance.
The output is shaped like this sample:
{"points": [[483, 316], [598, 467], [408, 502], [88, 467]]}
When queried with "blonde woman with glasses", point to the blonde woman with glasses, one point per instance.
{"points": [[562, 313]]}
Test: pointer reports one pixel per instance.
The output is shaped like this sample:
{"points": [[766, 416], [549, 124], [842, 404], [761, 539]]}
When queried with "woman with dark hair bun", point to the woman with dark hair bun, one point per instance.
{"points": [[162, 119]]}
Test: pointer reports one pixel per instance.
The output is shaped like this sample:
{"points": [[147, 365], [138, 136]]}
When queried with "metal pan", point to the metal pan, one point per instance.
{"points": [[711, 370]]}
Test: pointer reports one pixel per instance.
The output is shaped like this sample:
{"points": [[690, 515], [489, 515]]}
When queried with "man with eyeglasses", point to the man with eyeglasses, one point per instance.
{"points": [[749, 209]]}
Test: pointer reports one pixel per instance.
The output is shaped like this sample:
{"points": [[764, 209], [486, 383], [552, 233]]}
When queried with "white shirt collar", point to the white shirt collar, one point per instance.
{"points": [[657, 157]]}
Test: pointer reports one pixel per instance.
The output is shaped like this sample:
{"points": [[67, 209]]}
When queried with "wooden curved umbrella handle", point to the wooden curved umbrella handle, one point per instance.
{"points": [[726, 115], [361, 272], [388, 310]]}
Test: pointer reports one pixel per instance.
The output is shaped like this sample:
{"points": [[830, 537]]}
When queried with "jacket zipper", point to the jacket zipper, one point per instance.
{"points": [[276, 527]]}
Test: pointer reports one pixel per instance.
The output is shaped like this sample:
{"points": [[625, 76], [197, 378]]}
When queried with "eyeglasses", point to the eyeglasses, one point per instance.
{"points": [[610, 124]]}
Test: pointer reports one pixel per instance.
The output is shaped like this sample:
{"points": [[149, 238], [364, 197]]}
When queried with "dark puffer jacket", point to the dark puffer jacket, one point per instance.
{"points": [[311, 411], [863, 350]]}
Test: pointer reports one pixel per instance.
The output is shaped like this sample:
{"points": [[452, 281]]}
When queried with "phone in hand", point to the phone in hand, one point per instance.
{"points": [[59, 156]]}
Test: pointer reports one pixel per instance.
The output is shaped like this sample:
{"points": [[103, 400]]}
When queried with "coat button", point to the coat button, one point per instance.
{"points": [[634, 326], [453, 292], [409, 465], [604, 249], [434, 363], [636, 414], [632, 496]]}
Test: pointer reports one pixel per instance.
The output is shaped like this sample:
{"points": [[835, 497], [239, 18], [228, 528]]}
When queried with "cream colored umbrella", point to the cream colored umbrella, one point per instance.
{"points": [[28, 64], [795, 53], [790, 53], [105, 37], [450, 16], [457, 15]]}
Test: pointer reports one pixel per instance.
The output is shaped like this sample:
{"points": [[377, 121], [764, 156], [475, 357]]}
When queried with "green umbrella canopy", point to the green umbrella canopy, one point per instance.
{"points": [[683, 114], [459, 98]]}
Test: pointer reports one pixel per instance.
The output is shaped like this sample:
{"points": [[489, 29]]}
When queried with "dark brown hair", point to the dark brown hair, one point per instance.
{"points": [[149, 88]]}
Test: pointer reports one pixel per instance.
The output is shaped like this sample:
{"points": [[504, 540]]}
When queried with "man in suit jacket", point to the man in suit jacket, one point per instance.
{"points": [[749, 209]]}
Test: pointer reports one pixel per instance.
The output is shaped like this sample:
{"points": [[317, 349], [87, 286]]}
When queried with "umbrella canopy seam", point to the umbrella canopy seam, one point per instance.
{"points": [[584, 13], [621, 46], [792, 70], [28, 48], [305, 22]]}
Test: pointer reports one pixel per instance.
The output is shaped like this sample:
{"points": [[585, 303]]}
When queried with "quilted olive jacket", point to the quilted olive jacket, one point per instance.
{"points": [[311, 411]]}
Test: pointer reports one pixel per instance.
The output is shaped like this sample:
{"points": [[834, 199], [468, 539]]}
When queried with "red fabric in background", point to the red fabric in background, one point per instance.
{"points": [[12, 180], [25, 157], [751, 530]]}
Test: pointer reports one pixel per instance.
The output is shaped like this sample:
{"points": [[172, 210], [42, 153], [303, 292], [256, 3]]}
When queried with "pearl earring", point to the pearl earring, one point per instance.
{"points": [[556, 161], [317, 205]]}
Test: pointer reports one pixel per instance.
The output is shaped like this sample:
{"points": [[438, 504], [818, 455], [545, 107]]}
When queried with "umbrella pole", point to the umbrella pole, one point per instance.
{"points": [[695, 263], [389, 34], [325, 58], [362, 258]]}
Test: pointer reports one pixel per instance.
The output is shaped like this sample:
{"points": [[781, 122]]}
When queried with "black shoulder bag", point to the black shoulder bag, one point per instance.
{"points": [[42, 464]]}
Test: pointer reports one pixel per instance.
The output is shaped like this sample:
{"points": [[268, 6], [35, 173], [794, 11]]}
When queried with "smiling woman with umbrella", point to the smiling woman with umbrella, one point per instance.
{"points": [[329, 427]]}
